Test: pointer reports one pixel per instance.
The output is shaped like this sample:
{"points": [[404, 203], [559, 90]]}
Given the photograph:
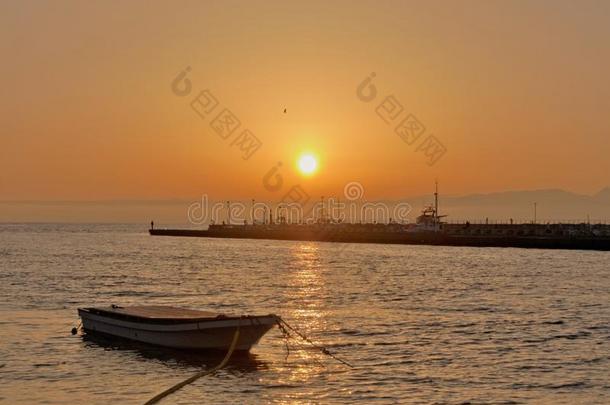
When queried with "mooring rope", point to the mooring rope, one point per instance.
{"points": [[198, 375], [283, 325], [284, 328], [300, 344]]}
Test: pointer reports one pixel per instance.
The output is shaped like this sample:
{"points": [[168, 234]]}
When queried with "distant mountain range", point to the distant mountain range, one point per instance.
{"points": [[552, 205], [603, 195]]}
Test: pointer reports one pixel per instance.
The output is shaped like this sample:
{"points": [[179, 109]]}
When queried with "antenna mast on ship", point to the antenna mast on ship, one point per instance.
{"points": [[436, 202]]}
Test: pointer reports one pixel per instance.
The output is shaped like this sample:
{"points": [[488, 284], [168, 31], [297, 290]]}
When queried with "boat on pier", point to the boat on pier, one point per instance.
{"points": [[428, 229]]}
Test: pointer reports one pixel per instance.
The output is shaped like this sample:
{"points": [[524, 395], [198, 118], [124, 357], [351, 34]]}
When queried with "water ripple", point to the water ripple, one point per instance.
{"points": [[422, 324]]}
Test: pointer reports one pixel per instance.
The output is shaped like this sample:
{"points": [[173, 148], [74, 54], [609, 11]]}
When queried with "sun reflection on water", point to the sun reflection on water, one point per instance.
{"points": [[308, 312], [308, 287]]}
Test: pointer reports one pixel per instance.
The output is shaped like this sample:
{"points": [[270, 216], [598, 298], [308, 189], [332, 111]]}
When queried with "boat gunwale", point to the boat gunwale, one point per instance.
{"points": [[141, 320]]}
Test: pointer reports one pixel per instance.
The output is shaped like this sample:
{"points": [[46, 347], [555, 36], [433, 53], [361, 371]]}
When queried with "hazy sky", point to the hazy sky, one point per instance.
{"points": [[518, 93]]}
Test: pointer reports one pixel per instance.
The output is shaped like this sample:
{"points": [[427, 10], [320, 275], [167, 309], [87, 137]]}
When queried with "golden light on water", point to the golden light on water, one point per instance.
{"points": [[307, 286], [308, 164]]}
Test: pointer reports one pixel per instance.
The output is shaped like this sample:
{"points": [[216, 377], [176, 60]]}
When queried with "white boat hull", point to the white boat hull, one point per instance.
{"points": [[215, 334]]}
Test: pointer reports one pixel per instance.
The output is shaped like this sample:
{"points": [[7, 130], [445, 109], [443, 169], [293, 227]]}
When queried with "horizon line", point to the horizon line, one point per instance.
{"points": [[190, 199]]}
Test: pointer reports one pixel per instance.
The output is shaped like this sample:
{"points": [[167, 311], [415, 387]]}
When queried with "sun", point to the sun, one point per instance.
{"points": [[307, 164]]}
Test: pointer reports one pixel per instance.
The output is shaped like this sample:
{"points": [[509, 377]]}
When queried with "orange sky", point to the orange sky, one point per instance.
{"points": [[517, 92]]}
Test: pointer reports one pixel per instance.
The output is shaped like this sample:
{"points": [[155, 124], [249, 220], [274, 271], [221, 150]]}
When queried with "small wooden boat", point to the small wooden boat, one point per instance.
{"points": [[177, 328]]}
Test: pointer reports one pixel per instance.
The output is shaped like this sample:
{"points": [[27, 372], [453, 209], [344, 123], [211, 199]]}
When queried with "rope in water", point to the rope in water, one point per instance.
{"points": [[200, 374], [283, 325]]}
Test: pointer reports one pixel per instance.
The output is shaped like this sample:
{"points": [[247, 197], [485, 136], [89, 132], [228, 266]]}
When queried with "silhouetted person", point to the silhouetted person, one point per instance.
{"points": [[152, 224]]}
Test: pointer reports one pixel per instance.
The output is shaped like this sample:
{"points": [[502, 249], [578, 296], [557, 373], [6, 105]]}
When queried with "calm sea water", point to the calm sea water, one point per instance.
{"points": [[421, 324]]}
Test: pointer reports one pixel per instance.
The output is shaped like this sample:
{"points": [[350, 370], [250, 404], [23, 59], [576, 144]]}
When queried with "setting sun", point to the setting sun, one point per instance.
{"points": [[307, 164]]}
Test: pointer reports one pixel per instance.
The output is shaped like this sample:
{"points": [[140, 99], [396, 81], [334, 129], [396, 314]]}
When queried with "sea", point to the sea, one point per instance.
{"points": [[419, 324]]}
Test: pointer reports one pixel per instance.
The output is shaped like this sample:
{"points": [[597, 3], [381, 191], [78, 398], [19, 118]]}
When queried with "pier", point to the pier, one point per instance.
{"points": [[540, 236]]}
